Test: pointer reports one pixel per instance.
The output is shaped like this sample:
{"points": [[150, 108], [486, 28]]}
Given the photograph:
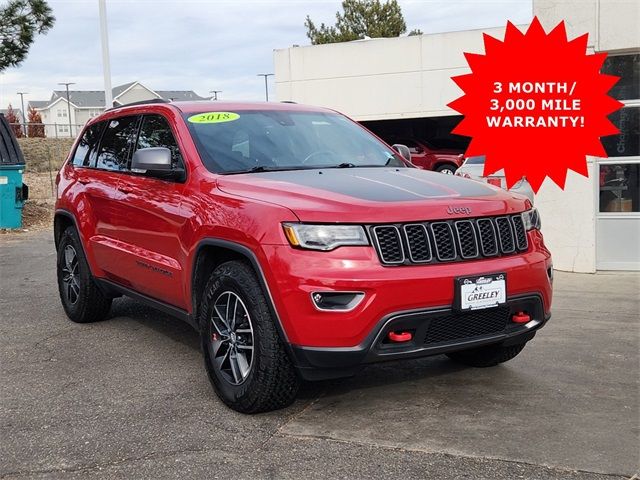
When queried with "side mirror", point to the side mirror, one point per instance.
{"points": [[403, 150], [152, 159]]}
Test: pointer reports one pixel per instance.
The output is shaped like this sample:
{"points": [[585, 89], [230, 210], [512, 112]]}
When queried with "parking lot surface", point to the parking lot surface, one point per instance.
{"points": [[128, 397]]}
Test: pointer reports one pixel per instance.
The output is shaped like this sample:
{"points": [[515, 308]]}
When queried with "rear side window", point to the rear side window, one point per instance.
{"points": [[156, 132], [116, 143], [88, 146]]}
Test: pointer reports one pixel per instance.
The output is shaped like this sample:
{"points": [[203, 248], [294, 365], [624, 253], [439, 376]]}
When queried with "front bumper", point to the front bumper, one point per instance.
{"points": [[293, 275], [435, 331]]}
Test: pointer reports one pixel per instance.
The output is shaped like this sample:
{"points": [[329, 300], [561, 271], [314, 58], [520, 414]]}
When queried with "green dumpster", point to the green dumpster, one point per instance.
{"points": [[13, 192]]}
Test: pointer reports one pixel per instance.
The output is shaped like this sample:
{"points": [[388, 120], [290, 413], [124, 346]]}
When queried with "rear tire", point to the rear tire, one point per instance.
{"points": [[446, 169], [244, 356], [82, 300], [488, 356]]}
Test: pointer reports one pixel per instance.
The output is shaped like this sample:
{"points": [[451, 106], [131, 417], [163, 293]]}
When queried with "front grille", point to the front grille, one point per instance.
{"points": [[462, 326], [449, 240]]}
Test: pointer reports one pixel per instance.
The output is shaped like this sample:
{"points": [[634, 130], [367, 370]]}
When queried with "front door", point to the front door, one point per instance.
{"points": [[151, 221]]}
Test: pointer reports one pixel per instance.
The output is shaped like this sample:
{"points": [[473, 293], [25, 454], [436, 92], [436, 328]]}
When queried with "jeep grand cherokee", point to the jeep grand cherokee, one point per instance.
{"points": [[295, 242]]}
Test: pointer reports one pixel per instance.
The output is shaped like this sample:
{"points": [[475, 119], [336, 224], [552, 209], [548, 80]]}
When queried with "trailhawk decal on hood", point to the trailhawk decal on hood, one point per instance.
{"points": [[371, 184]]}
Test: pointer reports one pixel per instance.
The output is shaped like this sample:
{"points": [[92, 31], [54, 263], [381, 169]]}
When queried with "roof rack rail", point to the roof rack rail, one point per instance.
{"points": [[288, 101], [141, 102]]}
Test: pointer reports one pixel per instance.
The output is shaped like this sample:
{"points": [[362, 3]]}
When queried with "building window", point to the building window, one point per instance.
{"points": [[619, 175]]}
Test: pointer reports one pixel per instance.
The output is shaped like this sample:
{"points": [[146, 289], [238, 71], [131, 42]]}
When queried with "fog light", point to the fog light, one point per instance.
{"points": [[336, 301]]}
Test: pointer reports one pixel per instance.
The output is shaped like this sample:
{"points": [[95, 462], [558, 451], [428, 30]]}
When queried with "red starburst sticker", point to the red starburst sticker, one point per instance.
{"points": [[535, 104]]}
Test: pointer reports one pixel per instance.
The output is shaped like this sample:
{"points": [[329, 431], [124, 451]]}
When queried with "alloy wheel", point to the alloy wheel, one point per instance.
{"points": [[232, 342], [70, 275]]}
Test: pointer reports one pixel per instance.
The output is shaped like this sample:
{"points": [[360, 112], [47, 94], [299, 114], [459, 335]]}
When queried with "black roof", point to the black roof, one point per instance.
{"points": [[10, 153]]}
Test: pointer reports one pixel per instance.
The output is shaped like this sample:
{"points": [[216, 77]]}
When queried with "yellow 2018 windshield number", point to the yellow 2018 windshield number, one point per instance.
{"points": [[214, 117]]}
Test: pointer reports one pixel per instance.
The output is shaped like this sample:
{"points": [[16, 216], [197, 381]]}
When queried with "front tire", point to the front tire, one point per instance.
{"points": [[244, 356], [82, 300], [488, 356], [446, 169]]}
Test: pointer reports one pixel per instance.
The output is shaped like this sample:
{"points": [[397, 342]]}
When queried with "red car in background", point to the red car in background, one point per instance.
{"points": [[428, 157]]}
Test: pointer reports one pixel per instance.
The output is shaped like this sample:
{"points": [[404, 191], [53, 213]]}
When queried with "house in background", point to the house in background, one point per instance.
{"points": [[17, 111], [86, 104]]}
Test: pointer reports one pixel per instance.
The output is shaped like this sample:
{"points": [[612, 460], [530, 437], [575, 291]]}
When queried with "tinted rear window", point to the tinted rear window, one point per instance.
{"points": [[87, 147], [116, 143]]}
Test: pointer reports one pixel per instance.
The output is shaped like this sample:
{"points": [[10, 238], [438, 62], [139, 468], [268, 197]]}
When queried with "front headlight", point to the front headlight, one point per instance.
{"points": [[531, 219], [324, 237]]}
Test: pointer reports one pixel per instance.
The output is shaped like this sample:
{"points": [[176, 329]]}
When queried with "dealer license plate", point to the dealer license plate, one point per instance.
{"points": [[482, 291]]}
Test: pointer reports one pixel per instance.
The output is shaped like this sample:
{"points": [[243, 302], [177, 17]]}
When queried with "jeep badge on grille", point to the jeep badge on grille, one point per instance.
{"points": [[453, 210]]}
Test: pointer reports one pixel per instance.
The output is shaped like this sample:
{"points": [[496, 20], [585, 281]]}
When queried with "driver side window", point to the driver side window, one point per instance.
{"points": [[156, 132]]}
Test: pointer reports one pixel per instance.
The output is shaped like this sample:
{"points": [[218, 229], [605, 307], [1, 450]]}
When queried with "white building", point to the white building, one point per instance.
{"points": [[593, 224], [85, 104]]}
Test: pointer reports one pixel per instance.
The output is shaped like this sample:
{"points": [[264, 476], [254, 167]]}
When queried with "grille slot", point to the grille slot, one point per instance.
{"points": [[505, 235], [467, 240], [418, 242], [520, 233], [389, 244], [461, 326], [444, 244], [488, 240]]}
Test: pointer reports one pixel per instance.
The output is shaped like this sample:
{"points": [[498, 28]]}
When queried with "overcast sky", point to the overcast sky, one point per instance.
{"points": [[207, 44]]}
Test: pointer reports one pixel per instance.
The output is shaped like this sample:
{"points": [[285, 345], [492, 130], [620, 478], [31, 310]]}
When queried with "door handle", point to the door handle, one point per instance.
{"points": [[84, 181], [125, 190]]}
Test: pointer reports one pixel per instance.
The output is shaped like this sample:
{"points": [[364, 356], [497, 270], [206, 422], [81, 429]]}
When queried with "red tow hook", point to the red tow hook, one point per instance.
{"points": [[521, 317], [399, 337]]}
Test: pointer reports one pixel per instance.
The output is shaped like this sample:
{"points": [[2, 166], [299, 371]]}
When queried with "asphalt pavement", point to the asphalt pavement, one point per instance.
{"points": [[128, 397]]}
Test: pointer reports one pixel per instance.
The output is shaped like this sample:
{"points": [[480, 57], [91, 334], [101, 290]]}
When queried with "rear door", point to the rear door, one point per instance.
{"points": [[102, 192], [151, 221]]}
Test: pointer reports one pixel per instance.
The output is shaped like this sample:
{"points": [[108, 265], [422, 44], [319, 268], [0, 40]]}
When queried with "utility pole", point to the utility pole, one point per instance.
{"points": [[215, 94], [106, 65], [24, 115], [66, 84], [266, 87]]}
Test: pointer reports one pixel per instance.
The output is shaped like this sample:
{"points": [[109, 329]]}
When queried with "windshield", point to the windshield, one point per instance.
{"points": [[475, 160], [245, 141]]}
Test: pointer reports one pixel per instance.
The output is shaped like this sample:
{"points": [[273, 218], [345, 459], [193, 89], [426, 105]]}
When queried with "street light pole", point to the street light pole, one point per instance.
{"points": [[215, 94], [106, 64], [66, 84], [24, 118], [266, 87]]}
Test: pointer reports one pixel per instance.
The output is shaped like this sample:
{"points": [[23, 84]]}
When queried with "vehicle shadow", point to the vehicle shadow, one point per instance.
{"points": [[371, 376]]}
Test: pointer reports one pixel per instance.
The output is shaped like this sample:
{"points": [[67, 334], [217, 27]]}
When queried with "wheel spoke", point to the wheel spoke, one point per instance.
{"points": [[221, 359], [235, 367], [243, 365], [235, 311], [222, 317], [245, 347], [69, 256]]}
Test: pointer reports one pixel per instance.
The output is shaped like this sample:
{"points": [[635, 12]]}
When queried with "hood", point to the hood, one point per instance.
{"points": [[372, 195]]}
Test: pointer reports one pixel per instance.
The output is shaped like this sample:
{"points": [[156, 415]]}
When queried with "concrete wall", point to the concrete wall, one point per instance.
{"points": [[568, 221], [612, 25], [406, 77]]}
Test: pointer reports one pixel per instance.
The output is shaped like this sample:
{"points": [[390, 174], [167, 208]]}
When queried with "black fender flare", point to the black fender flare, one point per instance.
{"points": [[253, 260]]}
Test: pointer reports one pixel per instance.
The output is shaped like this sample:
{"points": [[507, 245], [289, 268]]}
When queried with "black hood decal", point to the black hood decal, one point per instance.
{"points": [[381, 184]]}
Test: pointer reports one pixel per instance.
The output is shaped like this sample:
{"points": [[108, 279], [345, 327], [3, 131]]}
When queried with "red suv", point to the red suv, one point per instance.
{"points": [[295, 242], [428, 157]]}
